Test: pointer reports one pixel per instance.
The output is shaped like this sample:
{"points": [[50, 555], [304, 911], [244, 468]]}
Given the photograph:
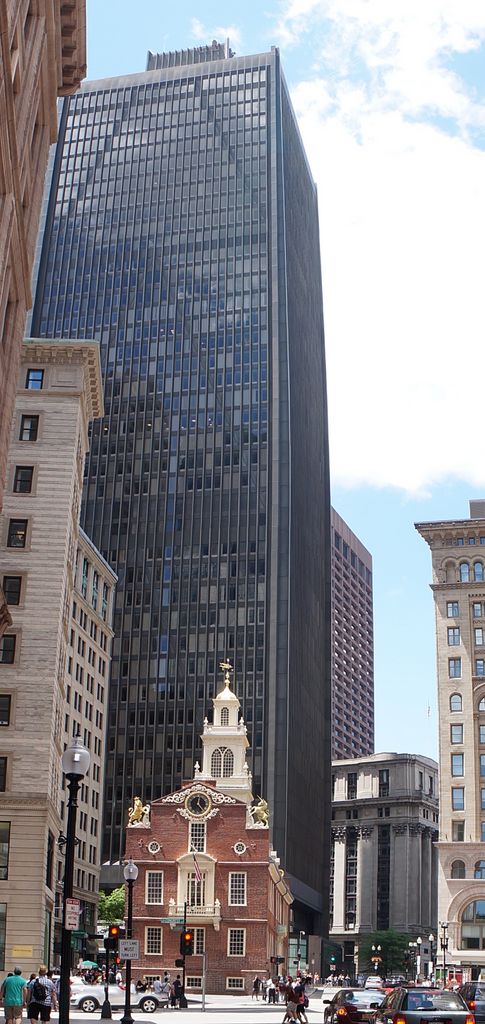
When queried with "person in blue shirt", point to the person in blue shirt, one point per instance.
{"points": [[14, 995]]}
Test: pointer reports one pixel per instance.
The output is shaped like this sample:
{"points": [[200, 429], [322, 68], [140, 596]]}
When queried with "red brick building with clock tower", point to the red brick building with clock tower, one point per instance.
{"points": [[206, 847]]}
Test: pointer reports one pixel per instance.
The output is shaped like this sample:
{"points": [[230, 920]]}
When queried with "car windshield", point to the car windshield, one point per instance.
{"points": [[361, 998], [429, 1000]]}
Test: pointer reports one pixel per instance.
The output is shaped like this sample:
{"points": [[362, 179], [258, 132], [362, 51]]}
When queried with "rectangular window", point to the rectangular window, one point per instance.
{"points": [[236, 942], [457, 764], [482, 796], [454, 668], [199, 941], [477, 609], [481, 733], [458, 798], [11, 587], [237, 888], [235, 983], [458, 831], [7, 649], [478, 631], [51, 847], [194, 982], [153, 940], [154, 887], [34, 380], [195, 890], [17, 533], [384, 782], [483, 831], [456, 733], [197, 836], [479, 666], [84, 580], [4, 849], [104, 601], [351, 785], [452, 609], [22, 481], [453, 636], [29, 428], [482, 765], [94, 595], [5, 701]]}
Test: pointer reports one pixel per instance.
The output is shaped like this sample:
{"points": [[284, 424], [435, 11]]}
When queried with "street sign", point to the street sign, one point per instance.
{"points": [[172, 920], [73, 910], [129, 949]]}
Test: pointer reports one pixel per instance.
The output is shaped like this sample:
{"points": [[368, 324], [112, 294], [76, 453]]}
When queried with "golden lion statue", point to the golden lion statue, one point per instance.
{"points": [[139, 814]]}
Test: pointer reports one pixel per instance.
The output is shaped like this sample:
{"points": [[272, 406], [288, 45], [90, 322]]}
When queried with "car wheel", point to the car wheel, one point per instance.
{"points": [[88, 1004], [149, 1005]]}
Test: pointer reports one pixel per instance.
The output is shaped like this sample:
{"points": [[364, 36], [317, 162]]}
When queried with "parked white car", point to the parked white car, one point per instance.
{"points": [[90, 997]]}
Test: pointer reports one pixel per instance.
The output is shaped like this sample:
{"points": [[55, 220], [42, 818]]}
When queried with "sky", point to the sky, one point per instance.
{"points": [[390, 99]]}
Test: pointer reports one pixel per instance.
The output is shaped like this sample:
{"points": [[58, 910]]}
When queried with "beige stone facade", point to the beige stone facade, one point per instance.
{"points": [[59, 392], [458, 566], [384, 861], [42, 56]]}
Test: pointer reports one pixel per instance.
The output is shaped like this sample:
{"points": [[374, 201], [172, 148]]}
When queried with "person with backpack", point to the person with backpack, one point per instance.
{"points": [[43, 997], [14, 994]]}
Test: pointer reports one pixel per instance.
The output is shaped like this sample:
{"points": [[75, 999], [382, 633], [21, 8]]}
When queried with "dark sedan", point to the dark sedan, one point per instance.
{"points": [[473, 992], [423, 1006], [352, 1005]]}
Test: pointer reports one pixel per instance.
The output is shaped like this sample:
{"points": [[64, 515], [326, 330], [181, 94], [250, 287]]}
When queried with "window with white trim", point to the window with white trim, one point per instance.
{"points": [[233, 983], [236, 942], [194, 981], [199, 941], [154, 887], [153, 940], [195, 889], [237, 888], [224, 716], [197, 836]]}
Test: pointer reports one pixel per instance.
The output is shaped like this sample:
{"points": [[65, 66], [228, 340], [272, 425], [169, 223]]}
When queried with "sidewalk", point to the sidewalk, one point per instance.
{"points": [[220, 1009]]}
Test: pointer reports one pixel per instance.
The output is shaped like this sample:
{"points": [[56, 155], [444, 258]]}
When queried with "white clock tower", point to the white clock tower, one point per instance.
{"points": [[225, 744]]}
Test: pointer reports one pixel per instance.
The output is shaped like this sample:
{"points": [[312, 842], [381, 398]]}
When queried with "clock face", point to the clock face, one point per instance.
{"points": [[198, 804]]}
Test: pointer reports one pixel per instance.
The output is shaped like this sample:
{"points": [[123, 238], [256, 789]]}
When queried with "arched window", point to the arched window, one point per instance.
{"points": [[456, 702], [216, 764], [458, 869], [224, 716], [479, 869], [228, 763], [478, 571], [481, 704], [464, 572], [473, 926]]}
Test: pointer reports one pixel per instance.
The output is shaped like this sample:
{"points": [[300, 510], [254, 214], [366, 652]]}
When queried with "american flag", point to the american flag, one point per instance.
{"points": [[197, 871]]}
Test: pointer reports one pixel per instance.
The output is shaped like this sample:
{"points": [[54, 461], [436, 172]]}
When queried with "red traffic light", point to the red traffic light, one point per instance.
{"points": [[114, 931], [187, 942]]}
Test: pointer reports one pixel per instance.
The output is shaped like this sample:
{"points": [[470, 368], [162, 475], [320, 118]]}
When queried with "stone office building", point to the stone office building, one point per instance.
{"points": [[42, 56], [384, 857], [458, 585], [204, 849], [54, 660]]}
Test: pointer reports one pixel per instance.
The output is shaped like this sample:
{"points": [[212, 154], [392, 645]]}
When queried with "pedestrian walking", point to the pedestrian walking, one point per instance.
{"points": [[291, 1003], [256, 987], [165, 993], [43, 996], [178, 990], [14, 993], [271, 991], [299, 991]]}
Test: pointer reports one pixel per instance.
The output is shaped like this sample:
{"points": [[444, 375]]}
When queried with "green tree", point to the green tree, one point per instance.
{"points": [[394, 948], [111, 906]]}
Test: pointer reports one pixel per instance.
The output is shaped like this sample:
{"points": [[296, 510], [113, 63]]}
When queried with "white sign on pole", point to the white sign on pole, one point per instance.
{"points": [[129, 949], [73, 910]]}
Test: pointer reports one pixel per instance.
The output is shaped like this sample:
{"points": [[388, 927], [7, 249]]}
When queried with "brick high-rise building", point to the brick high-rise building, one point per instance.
{"points": [[42, 56], [458, 565], [181, 231], [352, 644]]}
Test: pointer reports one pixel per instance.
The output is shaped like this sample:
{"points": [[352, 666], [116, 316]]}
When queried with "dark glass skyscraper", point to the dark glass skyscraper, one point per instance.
{"points": [[182, 232]]}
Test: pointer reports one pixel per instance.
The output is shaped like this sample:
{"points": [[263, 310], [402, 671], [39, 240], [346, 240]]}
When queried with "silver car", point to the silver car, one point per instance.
{"points": [[90, 997]]}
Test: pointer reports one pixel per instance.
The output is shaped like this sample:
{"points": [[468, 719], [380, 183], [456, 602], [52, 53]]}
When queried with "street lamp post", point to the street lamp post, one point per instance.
{"points": [[130, 872], [376, 956], [418, 957], [444, 946], [298, 952], [431, 953], [75, 765]]}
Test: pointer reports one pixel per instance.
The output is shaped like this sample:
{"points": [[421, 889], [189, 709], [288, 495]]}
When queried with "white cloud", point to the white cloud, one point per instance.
{"points": [[389, 128], [219, 32]]}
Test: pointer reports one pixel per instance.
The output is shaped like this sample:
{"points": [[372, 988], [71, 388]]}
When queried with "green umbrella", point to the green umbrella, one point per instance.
{"points": [[89, 963]]}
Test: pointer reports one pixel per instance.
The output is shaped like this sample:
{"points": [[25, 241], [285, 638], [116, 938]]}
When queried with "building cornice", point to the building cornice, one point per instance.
{"points": [[63, 351]]}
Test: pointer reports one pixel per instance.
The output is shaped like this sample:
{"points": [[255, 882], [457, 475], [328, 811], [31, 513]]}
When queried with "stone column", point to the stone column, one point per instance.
{"points": [[398, 910], [415, 874], [426, 894], [366, 881], [338, 838]]}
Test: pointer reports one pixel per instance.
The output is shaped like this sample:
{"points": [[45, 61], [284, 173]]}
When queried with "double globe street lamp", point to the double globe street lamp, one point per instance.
{"points": [[75, 765], [130, 872]]}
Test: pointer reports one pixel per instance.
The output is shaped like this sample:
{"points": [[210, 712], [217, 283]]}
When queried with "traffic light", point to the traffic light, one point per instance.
{"points": [[111, 941], [187, 942]]}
